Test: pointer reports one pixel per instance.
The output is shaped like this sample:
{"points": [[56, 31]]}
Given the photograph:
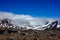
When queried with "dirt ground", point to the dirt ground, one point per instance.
{"points": [[32, 35]]}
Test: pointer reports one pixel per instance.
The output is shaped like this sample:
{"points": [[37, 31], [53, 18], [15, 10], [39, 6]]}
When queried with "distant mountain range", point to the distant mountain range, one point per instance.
{"points": [[47, 25], [52, 25]]}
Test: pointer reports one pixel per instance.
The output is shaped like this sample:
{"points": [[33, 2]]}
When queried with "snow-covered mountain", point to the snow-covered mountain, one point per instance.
{"points": [[26, 25], [41, 27], [47, 25]]}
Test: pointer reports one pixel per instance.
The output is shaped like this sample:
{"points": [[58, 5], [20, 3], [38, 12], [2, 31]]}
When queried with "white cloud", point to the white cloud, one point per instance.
{"points": [[25, 19], [6, 15]]}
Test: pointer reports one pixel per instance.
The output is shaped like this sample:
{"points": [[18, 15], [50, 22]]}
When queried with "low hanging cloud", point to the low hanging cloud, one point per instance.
{"points": [[25, 20]]}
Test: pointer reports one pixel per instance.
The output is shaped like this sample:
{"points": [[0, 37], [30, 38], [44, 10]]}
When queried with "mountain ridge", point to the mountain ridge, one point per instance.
{"points": [[48, 25]]}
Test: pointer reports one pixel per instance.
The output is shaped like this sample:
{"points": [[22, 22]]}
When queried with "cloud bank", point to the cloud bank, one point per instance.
{"points": [[25, 20]]}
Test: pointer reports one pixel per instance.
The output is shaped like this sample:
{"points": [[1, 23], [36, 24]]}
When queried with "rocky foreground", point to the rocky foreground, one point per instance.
{"points": [[53, 34]]}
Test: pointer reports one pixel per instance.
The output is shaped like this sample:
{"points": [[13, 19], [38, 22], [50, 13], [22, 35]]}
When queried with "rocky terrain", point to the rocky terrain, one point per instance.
{"points": [[32, 35], [9, 32]]}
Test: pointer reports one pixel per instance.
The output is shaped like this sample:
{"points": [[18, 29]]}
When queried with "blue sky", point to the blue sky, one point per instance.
{"points": [[35, 8]]}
